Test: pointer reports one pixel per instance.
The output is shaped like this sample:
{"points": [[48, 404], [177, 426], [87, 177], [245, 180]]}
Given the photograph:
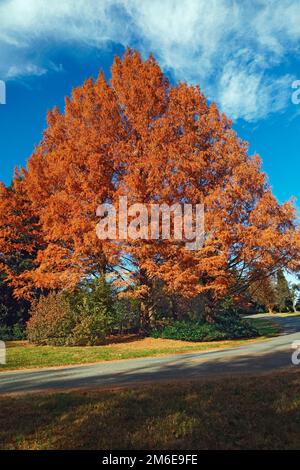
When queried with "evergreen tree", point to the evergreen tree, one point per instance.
{"points": [[12, 311], [284, 299]]}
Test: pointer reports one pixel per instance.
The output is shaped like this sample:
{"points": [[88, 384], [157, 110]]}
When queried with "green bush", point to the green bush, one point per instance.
{"points": [[221, 329], [235, 326], [80, 318], [126, 316], [93, 308], [12, 333], [189, 331]]}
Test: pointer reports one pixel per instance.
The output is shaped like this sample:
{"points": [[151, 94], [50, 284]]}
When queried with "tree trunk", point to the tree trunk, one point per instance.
{"points": [[173, 308], [147, 320], [209, 309]]}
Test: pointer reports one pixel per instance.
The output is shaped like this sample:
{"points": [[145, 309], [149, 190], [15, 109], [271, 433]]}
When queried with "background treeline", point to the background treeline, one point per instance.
{"points": [[96, 311]]}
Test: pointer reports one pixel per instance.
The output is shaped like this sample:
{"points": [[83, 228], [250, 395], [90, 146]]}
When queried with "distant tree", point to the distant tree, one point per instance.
{"points": [[284, 300], [295, 292], [263, 292]]}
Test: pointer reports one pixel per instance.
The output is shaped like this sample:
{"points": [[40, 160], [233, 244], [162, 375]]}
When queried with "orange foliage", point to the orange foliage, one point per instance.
{"points": [[142, 137], [20, 236]]}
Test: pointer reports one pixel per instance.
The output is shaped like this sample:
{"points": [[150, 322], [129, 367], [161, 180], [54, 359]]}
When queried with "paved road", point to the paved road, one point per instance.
{"points": [[273, 354]]}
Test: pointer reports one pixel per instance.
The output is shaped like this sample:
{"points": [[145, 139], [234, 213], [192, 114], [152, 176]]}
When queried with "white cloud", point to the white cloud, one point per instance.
{"points": [[252, 95], [230, 48], [16, 71]]}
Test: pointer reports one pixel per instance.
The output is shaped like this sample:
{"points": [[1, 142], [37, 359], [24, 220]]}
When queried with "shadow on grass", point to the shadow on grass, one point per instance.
{"points": [[121, 339], [228, 413], [211, 400]]}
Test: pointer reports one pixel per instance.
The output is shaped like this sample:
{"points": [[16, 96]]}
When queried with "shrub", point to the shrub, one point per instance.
{"points": [[221, 329], [92, 323], [235, 326], [93, 308], [51, 320], [80, 318], [89, 330], [189, 331], [126, 316], [12, 333]]}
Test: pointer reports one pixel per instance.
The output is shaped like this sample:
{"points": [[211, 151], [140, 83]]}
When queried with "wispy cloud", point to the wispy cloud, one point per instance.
{"points": [[232, 49], [22, 70]]}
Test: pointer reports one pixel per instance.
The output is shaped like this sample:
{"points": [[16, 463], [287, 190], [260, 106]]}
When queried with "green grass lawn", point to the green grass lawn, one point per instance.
{"points": [[233, 413], [21, 355], [266, 327]]}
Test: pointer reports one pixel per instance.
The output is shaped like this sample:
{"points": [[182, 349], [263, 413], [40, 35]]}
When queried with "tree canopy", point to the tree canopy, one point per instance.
{"points": [[140, 136]]}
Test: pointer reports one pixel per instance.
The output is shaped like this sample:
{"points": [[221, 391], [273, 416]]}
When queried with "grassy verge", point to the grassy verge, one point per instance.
{"points": [[22, 355], [265, 327], [249, 413]]}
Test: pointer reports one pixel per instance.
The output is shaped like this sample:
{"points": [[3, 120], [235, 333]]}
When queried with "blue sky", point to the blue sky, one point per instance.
{"points": [[244, 55]]}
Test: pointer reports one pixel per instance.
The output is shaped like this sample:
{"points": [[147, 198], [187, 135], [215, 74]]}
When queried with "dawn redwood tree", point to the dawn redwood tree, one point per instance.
{"points": [[154, 142], [182, 150], [70, 173]]}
